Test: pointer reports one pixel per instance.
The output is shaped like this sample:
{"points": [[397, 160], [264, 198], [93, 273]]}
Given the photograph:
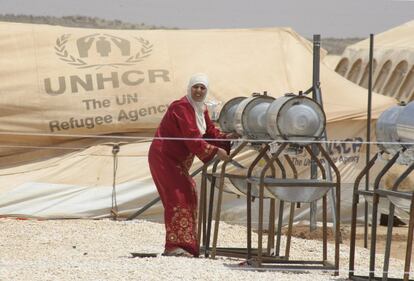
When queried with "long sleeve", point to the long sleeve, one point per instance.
{"points": [[188, 130], [213, 133]]}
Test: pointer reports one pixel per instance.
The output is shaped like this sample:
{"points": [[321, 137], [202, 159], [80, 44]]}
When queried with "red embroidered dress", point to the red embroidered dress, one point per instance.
{"points": [[170, 161]]}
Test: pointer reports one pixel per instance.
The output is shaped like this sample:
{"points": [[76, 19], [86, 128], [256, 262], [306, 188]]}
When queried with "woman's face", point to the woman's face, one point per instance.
{"points": [[198, 92]]}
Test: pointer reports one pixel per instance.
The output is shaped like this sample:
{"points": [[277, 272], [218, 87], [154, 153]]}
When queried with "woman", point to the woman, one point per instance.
{"points": [[170, 159]]}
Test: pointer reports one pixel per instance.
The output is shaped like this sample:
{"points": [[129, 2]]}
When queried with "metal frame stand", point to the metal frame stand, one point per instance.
{"points": [[205, 220], [267, 182], [376, 193]]}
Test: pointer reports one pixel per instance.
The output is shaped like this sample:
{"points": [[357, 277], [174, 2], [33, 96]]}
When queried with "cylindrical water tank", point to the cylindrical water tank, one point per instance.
{"points": [[386, 130], [226, 117], [250, 117], [395, 128], [405, 125], [295, 118]]}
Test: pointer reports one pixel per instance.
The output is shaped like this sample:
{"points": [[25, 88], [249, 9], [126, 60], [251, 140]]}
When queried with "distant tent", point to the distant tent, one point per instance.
{"points": [[331, 60], [393, 69]]}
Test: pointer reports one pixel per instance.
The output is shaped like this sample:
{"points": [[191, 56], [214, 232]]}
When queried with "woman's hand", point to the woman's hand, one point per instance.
{"points": [[232, 135], [222, 154]]}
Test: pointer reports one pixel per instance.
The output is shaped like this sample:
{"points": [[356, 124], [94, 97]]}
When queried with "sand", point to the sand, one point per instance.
{"points": [[101, 250]]}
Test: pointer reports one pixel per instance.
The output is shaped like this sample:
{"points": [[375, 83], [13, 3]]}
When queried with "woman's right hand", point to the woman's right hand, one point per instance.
{"points": [[233, 135], [222, 154]]}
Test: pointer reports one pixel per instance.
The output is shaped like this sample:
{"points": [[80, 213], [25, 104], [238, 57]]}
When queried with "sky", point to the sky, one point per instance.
{"points": [[330, 18]]}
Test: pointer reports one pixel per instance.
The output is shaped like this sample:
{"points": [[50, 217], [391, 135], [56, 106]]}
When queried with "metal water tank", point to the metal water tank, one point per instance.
{"points": [[395, 131], [295, 118], [226, 117], [250, 117], [386, 130], [405, 125]]}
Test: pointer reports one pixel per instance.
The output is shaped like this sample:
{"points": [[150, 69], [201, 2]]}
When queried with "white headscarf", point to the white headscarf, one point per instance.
{"points": [[199, 78]]}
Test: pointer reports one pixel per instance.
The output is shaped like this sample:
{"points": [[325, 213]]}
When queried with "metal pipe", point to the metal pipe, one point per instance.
{"points": [[271, 227], [324, 230], [201, 211], [387, 252], [292, 208], [409, 242], [289, 232], [210, 208], [317, 162], [271, 231], [316, 95], [368, 156]]}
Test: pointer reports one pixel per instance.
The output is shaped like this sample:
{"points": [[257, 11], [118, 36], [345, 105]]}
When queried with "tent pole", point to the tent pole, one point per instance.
{"points": [[316, 96], [369, 110]]}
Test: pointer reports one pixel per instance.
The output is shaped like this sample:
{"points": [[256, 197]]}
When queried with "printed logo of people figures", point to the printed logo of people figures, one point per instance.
{"points": [[103, 45], [101, 50]]}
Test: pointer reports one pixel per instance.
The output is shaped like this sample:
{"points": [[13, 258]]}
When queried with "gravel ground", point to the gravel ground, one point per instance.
{"points": [[100, 250]]}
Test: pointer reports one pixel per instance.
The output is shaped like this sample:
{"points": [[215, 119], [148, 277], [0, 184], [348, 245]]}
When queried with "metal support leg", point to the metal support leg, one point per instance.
{"points": [[279, 227], [355, 201], [289, 232], [271, 231], [261, 194], [217, 217], [313, 207], [210, 209], [324, 230], [201, 213], [388, 242], [375, 202], [409, 242]]}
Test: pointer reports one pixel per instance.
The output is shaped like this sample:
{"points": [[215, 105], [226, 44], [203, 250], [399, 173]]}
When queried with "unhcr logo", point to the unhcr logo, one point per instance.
{"points": [[102, 50]]}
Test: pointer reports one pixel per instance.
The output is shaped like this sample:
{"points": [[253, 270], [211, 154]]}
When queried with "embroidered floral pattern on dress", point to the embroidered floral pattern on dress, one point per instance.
{"points": [[185, 166], [182, 228], [188, 162]]}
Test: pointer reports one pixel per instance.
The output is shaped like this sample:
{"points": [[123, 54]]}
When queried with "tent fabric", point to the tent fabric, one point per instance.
{"points": [[393, 65], [80, 184], [56, 84], [65, 88], [331, 60]]}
